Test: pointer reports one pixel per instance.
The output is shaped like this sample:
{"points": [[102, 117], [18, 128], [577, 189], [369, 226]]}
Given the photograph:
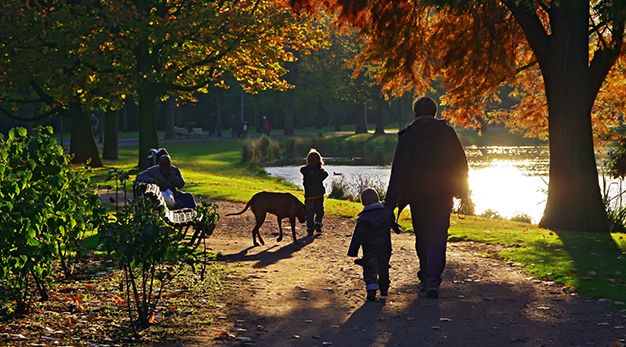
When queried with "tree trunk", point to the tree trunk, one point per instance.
{"points": [[574, 198], [82, 143], [170, 118], [111, 125], [361, 122], [380, 126], [148, 138], [255, 113], [218, 105], [333, 111], [290, 98], [320, 114]]}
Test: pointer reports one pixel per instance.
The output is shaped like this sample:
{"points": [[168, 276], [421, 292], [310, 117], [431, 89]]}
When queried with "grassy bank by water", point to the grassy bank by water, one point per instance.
{"points": [[591, 264]]}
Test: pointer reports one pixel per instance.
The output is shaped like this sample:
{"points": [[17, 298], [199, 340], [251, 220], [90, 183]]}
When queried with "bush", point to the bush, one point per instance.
{"points": [[349, 187], [148, 251], [521, 217], [260, 150], [489, 213], [46, 207]]}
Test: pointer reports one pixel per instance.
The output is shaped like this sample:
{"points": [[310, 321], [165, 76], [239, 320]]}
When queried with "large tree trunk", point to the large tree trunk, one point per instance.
{"points": [[380, 126], [111, 125], [83, 146], [148, 137], [290, 98], [574, 199]]}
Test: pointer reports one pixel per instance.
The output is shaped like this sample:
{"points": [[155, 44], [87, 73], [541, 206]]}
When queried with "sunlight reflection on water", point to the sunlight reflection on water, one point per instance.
{"points": [[507, 180]]}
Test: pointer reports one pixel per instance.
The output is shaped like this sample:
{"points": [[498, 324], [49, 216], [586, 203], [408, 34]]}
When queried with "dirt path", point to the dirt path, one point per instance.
{"points": [[311, 294]]}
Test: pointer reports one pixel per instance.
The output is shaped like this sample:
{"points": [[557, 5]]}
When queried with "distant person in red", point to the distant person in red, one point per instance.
{"points": [[265, 125]]}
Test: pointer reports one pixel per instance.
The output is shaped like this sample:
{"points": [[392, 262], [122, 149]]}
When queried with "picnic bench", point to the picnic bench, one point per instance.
{"points": [[181, 219]]}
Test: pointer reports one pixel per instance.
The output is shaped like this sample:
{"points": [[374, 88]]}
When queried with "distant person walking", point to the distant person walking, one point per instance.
{"points": [[265, 126], [429, 169]]}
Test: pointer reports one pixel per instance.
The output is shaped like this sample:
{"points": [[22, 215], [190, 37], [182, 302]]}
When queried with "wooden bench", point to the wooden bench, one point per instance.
{"points": [[181, 219]]}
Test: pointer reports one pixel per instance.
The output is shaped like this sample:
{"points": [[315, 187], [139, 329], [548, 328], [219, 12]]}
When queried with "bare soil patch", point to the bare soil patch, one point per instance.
{"points": [[312, 294]]}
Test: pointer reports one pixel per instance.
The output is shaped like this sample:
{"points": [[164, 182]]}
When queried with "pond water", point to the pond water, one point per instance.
{"points": [[506, 180]]}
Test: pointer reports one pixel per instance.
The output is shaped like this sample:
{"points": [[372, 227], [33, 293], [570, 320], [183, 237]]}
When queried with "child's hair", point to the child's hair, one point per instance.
{"points": [[314, 157], [369, 196]]}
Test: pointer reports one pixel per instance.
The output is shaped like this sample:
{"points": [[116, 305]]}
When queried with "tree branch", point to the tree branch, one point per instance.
{"points": [[604, 59], [534, 31]]}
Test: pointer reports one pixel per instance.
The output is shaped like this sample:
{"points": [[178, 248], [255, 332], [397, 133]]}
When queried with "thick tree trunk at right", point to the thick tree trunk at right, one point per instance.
{"points": [[574, 199], [111, 125]]}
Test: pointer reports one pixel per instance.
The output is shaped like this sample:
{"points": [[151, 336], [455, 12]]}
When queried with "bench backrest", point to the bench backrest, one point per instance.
{"points": [[178, 217]]}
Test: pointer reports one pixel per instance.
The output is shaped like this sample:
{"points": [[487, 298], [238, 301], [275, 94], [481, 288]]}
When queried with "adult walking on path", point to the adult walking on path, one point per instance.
{"points": [[429, 169]]}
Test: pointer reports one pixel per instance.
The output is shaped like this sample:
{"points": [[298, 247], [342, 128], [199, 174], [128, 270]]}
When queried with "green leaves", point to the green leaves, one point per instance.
{"points": [[42, 209]]}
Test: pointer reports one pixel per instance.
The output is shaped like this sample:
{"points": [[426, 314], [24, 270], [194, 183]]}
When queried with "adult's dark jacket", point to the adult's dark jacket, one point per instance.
{"points": [[372, 230], [429, 162], [173, 181], [313, 177]]}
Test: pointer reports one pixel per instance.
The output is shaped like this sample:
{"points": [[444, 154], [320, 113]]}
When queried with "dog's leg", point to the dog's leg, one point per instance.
{"points": [[280, 228], [292, 220], [256, 232]]}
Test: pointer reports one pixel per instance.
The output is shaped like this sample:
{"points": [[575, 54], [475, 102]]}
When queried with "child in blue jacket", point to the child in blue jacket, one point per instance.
{"points": [[372, 231]]}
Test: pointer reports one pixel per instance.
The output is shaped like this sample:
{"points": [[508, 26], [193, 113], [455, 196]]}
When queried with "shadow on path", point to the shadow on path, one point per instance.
{"points": [[272, 254]]}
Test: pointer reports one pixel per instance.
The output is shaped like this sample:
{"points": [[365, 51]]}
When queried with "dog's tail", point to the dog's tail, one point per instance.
{"points": [[242, 211]]}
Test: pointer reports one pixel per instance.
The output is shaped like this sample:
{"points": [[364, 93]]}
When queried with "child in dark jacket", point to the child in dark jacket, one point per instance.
{"points": [[372, 231], [313, 180]]}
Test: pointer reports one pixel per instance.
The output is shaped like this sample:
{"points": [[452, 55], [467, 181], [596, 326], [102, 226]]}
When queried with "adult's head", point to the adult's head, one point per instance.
{"points": [[369, 196], [165, 164], [424, 106]]}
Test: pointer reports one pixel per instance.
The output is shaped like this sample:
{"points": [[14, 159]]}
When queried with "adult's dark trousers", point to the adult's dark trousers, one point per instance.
{"points": [[431, 220], [376, 270], [184, 200]]}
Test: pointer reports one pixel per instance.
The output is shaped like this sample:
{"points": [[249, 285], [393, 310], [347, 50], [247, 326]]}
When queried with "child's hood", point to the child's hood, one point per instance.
{"points": [[376, 214]]}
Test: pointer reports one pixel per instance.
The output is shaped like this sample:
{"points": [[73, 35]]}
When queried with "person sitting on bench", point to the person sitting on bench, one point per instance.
{"points": [[167, 176]]}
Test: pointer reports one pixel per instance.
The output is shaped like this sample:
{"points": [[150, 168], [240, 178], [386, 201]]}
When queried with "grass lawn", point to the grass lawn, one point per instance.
{"points": [[591, 264]]}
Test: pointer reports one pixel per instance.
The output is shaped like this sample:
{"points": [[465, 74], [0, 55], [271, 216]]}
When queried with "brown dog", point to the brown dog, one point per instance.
{"points": [[283, 205]]}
